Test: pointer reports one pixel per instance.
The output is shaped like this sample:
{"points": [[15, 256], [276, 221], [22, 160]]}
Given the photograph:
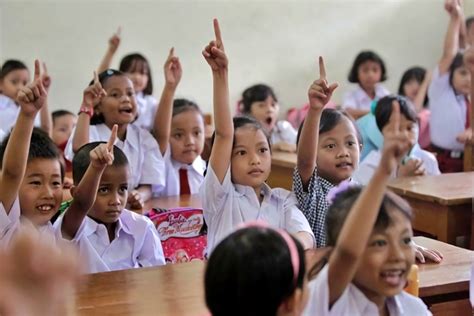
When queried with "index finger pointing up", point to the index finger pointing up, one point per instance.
{"points": [[96, 77], [217, 32], [37, 69], [322, 69], [113, 137], [394, 120]]}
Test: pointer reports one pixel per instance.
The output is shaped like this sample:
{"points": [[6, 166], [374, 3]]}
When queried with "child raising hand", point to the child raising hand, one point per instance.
{"points": [[370, 230]]}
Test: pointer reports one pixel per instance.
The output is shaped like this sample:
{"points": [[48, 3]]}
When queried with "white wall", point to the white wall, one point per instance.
{"points": [[276, 42]]}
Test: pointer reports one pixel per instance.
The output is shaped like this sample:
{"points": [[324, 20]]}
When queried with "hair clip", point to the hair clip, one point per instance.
{"points": [[343, 186]]}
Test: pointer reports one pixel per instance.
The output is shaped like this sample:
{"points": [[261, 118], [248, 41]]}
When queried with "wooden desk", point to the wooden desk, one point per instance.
{"points": [[192, 200], [442, 204], [282, 170], [178, 289], [444, 287], [170, 290]]}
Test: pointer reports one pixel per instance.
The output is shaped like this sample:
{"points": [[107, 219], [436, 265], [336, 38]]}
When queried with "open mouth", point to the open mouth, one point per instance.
{"points": [[255, 172], [393, 277], [344, 164], [269, 120], [45, 208]]}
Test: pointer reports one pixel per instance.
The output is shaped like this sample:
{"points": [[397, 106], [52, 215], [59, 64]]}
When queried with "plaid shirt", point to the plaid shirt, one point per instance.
{"points": [[313, 203]]}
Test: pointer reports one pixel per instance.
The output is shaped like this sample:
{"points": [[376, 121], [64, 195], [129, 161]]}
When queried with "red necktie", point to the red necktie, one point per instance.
{"points": [[468, 113], [183, 182]]}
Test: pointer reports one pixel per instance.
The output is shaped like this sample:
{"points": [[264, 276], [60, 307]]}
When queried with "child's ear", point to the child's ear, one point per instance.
{"points": [[73, 190], [293, 304]]}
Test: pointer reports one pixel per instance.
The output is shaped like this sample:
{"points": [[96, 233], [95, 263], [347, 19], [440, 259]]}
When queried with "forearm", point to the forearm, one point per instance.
{"points": [[421, 96], [81, 134], [451, 44], [163, 117], [46, 120], [308, 145], [224, 126], [356, 113], [106, 61], [305, 239]]}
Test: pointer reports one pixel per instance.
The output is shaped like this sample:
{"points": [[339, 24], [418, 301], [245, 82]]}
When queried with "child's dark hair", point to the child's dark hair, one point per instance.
{"points": [[329, 119], [458, 62], [252, 267], [363, 57], [413, 73], [383, 110], [41, 147], [104, 76], [60, 113], [469, 21], [81, 160], [256, 93], [138, 63], [183, 105], [11, 65], [343, 203]]}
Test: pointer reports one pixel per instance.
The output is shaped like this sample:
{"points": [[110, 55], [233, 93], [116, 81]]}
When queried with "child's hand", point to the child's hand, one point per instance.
{"points": [[37, 278], [465, 137], [32, 97], [46, 78], [396, 142], [423, 253], [320, 92], [214, 52], [103, 155], [469, 59], [114, 41], [173, 71], [413, 167], [453, 7], [135, 200], [93, 94]]}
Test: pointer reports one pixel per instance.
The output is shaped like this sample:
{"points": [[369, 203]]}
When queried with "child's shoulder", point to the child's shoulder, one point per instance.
{"points": [[133, 219], [408, 304], [6, 102], [281, 194]]}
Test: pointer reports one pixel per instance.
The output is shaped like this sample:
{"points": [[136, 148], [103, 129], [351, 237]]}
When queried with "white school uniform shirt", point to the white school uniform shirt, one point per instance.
{"points": [[136, 243], [11, 224], [172, 185], [146, 108], [358, 98], [3, 134], [353, 302], [227, 205], [142, 151], [448, 113], [283, 132], [367, 167], [9, 111]]}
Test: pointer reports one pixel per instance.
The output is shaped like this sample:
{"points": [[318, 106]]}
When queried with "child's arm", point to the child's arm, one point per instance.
{"points": [[91, 96], [222, 148], [45, 116], [319, 94], [85, 193], [451, 40], [356, 113], [114, 43], [422, 91], [31, 99], [162, 124], [360, 221]]}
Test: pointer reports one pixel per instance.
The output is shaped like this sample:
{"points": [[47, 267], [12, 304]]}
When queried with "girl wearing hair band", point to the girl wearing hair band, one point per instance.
{"points": [[256, 270]]}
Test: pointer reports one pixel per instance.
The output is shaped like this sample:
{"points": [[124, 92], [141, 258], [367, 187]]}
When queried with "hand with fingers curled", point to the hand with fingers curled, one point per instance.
{"points": [[135, 200], [413, 167], [320, 91], [93, 94], [214, 52], [114, 41], [173, 70], [32, 97]]}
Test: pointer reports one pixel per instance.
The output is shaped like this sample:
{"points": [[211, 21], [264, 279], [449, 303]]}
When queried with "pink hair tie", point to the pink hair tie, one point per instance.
{"points": [[341, 187], [295, 258]]}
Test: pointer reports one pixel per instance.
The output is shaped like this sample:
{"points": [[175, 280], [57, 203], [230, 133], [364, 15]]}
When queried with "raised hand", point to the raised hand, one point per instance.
{"points": [[172, 68], [413, 167], [93, 93], [214, 52], [32, 97], [46, 78], [320, 91], [114, 41], [396, 142], [103, 155]]}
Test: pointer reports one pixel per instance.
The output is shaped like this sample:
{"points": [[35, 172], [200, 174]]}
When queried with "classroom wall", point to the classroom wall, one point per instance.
{"points": [[276, 42]]}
